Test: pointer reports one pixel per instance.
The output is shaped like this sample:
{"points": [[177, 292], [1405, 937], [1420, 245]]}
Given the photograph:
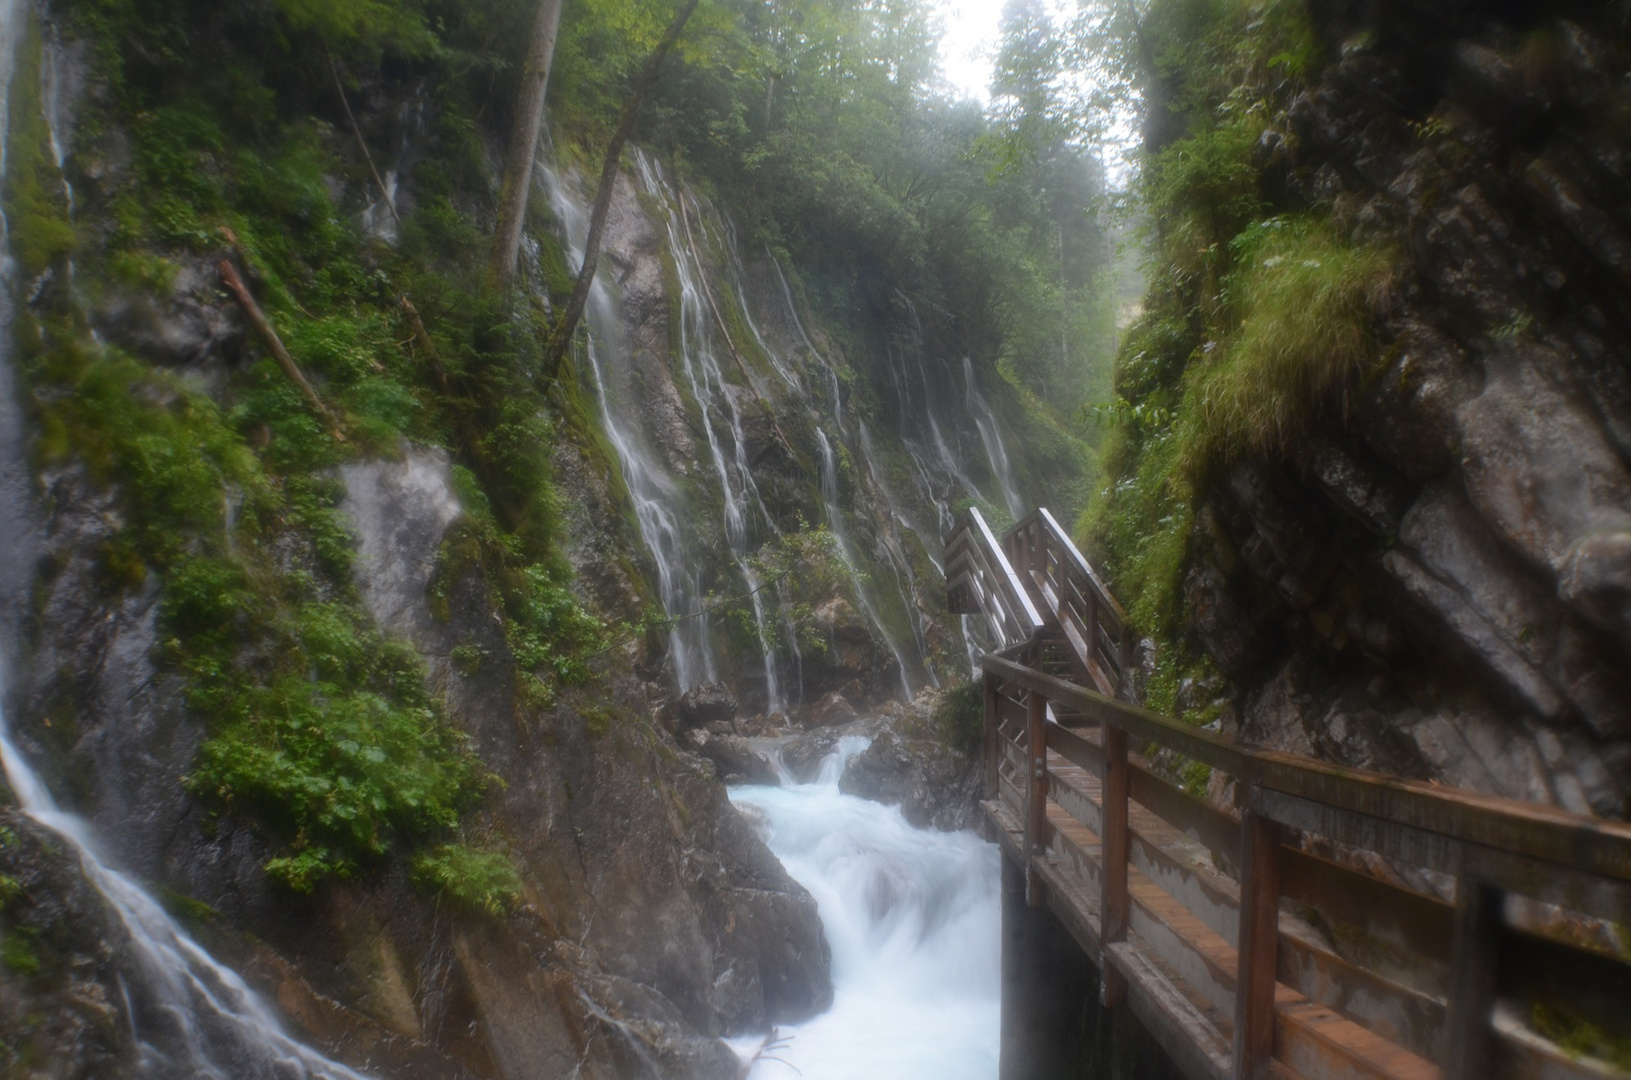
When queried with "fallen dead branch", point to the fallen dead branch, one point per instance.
{"points": [[384, 192], [417, 325], [773, 1043], [274, 345]]}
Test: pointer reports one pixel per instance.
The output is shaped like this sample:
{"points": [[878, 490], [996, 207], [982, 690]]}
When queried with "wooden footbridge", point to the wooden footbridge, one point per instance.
{"points": [[1275, 937]]}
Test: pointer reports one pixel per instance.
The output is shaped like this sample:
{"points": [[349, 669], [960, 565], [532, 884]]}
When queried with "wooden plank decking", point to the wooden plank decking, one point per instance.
{"points": [[1355, 976]]}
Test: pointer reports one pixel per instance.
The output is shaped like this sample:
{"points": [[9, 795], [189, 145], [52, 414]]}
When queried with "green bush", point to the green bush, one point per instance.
{"points": [[482, 881], [960, 716]]}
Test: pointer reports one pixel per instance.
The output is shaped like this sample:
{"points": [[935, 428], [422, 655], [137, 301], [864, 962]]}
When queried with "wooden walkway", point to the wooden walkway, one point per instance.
{"points": [[1244, 952]]}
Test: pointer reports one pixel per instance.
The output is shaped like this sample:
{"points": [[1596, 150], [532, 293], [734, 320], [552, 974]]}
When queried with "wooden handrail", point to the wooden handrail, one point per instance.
{"points": [[1071, 597], [981, 581], [1490, 846], [1542, 833]]}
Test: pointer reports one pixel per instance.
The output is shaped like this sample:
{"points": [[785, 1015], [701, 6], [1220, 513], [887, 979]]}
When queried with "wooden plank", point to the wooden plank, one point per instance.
{"points": [[989, 752], [1076, 749], [1141, 724], [1193, 1044], [1186, 870], [1036, 799], [1569, 887], [1216, 831], [1479, 914], [1113, 900], [1537, 832], [1403, 934], [1310, 1035], [1259, 945]]}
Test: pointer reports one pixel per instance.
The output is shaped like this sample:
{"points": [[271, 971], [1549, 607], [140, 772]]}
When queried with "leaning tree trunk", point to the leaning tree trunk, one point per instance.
{"points": [[529, 122], [561, 338]]}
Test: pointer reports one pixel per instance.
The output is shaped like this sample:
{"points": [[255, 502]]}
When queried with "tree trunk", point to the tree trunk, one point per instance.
{"points": [[529, 122], [561, 339]]}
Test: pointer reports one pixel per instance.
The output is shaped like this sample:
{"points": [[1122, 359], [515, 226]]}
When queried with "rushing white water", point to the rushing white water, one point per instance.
{"points": [[913, 918]]}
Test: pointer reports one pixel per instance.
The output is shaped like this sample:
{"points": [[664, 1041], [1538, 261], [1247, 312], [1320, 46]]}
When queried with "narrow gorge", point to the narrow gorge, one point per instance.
{"points": [[399, 679]]}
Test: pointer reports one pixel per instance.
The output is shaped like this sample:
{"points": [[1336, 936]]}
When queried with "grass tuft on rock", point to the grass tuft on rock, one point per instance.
{"points": [[1301, 298]]}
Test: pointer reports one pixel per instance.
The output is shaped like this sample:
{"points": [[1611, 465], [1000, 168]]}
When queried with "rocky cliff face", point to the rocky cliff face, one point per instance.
{"points": [[649, 902], [717, 456], [1436, 584]]}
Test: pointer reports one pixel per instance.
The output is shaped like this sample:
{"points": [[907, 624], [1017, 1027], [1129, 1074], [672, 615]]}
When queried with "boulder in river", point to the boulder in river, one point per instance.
{"points": [[735, 760], [706, 704], [930, 782], [831, 711]]}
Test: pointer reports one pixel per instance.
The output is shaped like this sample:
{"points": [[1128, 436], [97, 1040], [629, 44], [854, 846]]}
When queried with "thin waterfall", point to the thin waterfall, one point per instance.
{"points": [[906, 582], [205, 1020], [379, 217], [198, 1018], [699, 354], [835, 521], [804, 339], [991, 435], [736, 279], [656, 496]]}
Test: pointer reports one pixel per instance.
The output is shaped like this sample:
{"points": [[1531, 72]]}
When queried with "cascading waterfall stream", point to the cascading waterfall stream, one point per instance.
{"points": [[985, 419], [835, 521], [211, 1024], [655, 494], [705, 379], [201, 1019], [913, 919]]}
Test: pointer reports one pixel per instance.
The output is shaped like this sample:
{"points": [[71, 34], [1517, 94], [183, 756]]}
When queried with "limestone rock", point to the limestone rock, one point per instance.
{"points": [[706, 704], [931, 783], [735, 760], [831, 711]]}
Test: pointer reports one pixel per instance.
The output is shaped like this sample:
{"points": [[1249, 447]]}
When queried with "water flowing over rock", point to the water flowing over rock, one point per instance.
{"points": [[934, 786]]}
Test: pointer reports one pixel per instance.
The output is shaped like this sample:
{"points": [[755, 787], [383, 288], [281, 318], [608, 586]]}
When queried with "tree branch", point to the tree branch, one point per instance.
{"points": [[274, 345], [390, 203], [567, 325]]}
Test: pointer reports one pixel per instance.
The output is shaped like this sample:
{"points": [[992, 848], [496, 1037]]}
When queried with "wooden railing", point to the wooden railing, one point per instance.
{"points": [[1245, 952], [979, 581], [1071, 596]]}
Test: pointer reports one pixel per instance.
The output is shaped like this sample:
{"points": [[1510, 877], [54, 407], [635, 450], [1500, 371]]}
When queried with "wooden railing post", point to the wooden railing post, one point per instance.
{"points": [[1113, 897], [1474, 956], [1259, 944], [1036, 798], [993, 737]]}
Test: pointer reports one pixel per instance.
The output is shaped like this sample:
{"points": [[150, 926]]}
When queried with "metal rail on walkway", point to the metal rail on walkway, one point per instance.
{"points": [[1276, 937]]}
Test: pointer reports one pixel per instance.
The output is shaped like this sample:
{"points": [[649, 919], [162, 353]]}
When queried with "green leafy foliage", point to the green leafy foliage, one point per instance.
{"points": [[481, 881], [959, 716], [1299, 299], [1256, 323], [320, 728]]}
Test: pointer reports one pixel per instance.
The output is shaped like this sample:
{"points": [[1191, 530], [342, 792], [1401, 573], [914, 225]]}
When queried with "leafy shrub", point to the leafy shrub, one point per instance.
{"points": [[483, 881]]}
